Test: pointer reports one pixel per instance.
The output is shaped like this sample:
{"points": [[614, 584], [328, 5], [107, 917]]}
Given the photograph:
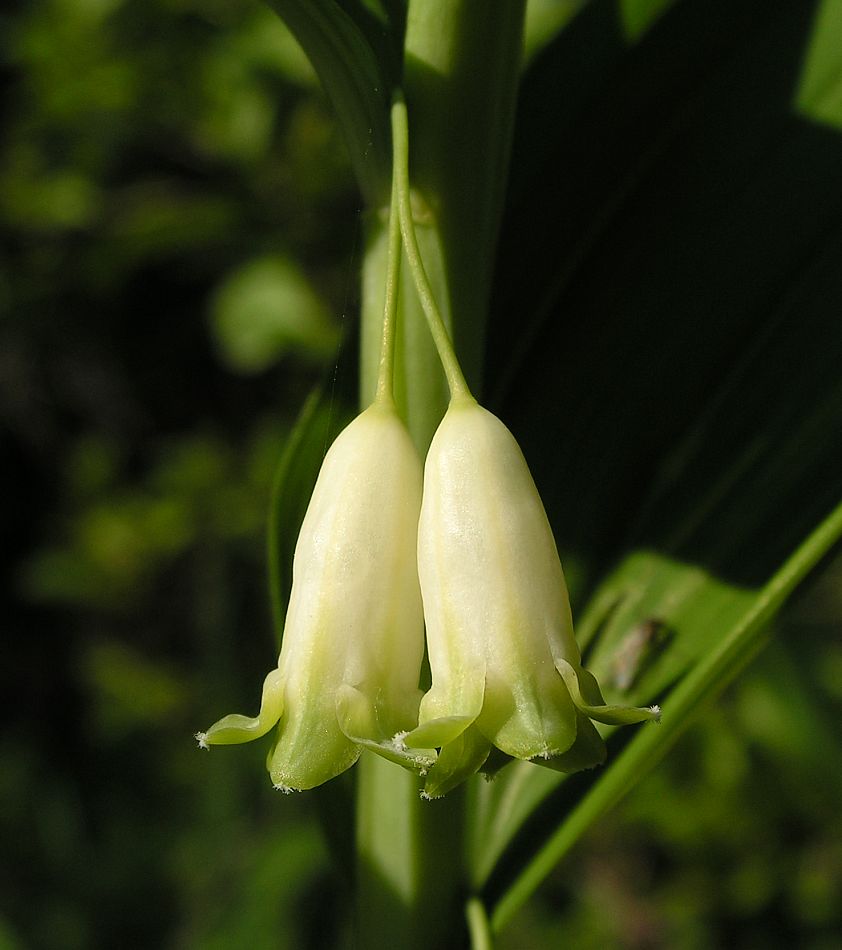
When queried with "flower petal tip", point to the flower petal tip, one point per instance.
{"points": [[202, 739]]}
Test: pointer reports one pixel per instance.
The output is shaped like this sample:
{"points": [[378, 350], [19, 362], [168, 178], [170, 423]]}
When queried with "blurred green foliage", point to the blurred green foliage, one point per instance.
{"points": [[265, 308], [736, 839], [178, 254], [156, 157]]}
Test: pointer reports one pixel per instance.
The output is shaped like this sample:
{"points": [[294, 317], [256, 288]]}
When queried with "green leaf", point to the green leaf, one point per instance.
{"points": [[650, 254], [820, 88], [706, 679], [639, 15], [352, 48], [665, 345], [544, 20]]}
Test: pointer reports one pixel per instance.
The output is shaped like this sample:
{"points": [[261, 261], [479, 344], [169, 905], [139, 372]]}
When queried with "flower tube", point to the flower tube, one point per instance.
{"points": [[348, 671], [506, 669]]}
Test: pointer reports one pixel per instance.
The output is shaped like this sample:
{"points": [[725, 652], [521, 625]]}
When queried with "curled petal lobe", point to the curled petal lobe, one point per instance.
{"points": [[234, 729]]}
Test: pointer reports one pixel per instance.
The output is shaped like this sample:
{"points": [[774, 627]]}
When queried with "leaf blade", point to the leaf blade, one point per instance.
{"points": [[687, 493], [704, 681], [357, 79]]}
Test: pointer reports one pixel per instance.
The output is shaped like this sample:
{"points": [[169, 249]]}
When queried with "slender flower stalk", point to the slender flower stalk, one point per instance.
{"points": [[400, 173]]}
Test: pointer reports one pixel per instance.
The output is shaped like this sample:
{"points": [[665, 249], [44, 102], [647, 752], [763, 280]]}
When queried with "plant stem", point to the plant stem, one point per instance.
{"points": [[415, 361], [409, 876], [460, 82], [386, 370], [461, 72], [478, 925], [401, 193]]}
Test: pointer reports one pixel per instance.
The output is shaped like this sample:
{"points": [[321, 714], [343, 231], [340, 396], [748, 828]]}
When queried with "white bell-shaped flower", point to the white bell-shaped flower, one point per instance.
{"points": [[353, 642], [506, 671]]}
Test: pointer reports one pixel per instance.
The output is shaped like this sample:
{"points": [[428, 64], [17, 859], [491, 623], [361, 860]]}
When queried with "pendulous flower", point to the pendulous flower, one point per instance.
{"points": [[353, 642], [506, 670]]}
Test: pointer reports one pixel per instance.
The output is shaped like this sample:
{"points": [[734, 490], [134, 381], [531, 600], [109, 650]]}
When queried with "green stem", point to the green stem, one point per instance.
{"points": [[444, 347], [478, 926], [461, 71], [460, 80], [409, 874], [386, 372]]}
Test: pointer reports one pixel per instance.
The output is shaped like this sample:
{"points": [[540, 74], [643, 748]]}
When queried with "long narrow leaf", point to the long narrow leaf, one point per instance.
{"points": [[355, 78], [673, 375], [706, 679]]}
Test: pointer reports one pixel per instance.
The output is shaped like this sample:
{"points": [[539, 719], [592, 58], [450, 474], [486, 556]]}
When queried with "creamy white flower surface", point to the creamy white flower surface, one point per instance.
{"points": [[353, 643], [506, 671]]}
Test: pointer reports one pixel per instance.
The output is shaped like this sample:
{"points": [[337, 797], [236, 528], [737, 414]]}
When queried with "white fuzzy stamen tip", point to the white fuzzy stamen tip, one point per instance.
{"points": [[656, 712], [283, 789], [397, 743], [545, 753], [202, 739]]}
